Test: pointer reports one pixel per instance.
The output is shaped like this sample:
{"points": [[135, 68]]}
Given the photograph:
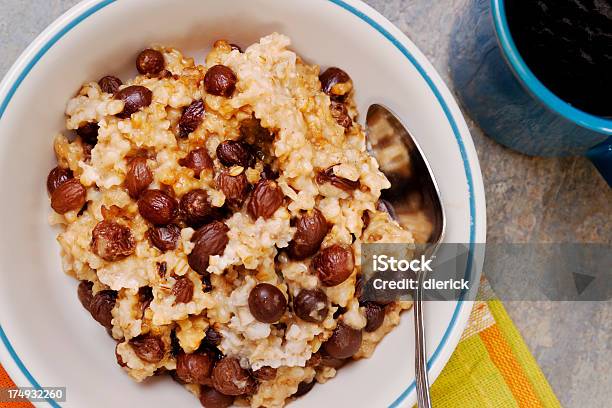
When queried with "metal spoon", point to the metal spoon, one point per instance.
{"points": [[412, 183]]}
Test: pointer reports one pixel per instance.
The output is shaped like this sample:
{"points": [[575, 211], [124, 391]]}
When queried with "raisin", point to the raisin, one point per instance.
{"points": [[209, 240], [135, 98], [165, 238], [112, 241], [220, 81], [265, 200], [138, 177], [235, 188], [101, 307], [150, 62], [231, 379], [197, 160], [57, 177], [148, 348], [157, 207], [235, 153], [328, 176], [191, 118], [183, 290], [110, 84], [311, 229], [68, 196], [334, 264]]}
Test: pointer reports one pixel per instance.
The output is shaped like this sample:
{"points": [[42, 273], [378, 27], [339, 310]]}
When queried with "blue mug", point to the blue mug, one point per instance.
{"points": [[510, 104]]}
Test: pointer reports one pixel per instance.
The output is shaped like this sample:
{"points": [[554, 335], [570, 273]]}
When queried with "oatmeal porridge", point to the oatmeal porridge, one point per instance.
{"points": [[213, 215]]}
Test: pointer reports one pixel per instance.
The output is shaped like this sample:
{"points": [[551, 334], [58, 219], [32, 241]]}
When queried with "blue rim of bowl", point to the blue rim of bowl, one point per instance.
{"points": [[533, 84], [468, 172]]}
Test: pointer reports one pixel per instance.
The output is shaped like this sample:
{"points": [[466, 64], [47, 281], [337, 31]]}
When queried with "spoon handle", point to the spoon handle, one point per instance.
{"points": [[421, 377]]}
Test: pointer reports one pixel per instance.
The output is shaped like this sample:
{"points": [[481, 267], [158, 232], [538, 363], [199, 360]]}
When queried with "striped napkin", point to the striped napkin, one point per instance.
{"points": [[491, 366]]}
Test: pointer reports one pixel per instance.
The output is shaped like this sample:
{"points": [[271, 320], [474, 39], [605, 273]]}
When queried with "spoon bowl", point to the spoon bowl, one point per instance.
{"points": [[413, 191], [413, 185]]}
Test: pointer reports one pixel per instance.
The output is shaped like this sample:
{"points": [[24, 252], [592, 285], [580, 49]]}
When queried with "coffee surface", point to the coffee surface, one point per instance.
{"points": [[568, 46]]}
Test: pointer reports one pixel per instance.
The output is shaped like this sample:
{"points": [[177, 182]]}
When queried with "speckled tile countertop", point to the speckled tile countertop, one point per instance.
{"points": [[528, 200]]}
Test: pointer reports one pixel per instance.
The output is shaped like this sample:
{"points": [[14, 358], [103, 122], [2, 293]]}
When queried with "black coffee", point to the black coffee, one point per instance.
{"points": [[568, 46]]}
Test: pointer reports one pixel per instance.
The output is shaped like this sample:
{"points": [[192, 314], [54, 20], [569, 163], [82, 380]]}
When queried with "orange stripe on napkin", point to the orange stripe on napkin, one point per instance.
{"points": [[502, 356], [6, 382]]}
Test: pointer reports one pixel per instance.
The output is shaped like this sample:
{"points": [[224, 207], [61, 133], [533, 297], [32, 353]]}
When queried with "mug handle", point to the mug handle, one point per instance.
{"points": [[601, 156]]}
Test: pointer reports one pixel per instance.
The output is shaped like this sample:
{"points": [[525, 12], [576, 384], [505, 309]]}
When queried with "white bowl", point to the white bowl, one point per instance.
{"points": [[47, 339]]}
